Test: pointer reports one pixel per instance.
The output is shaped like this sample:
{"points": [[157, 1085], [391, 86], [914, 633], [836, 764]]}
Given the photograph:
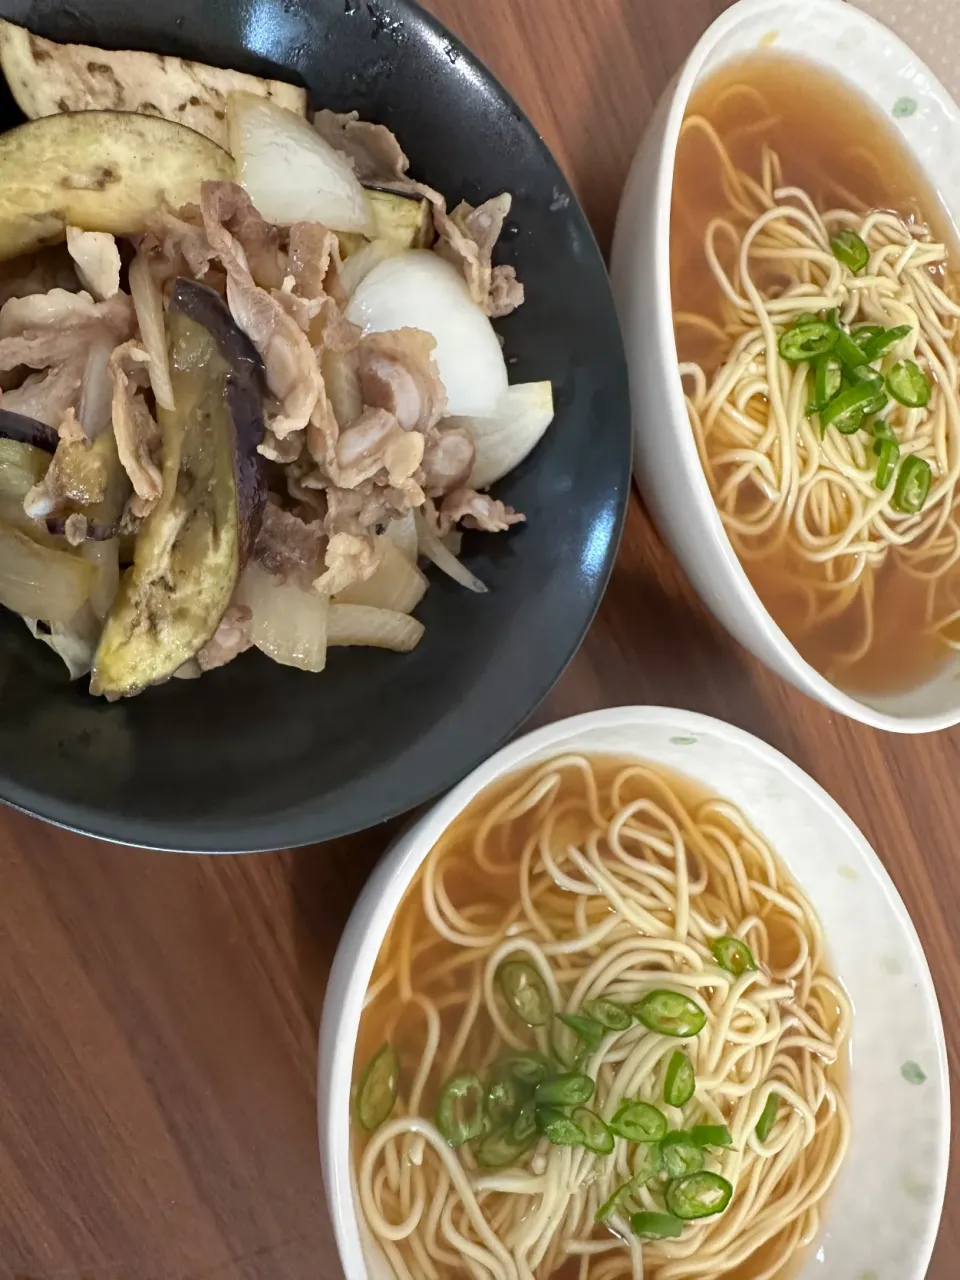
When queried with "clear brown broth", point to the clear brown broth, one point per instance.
{"points": [[464, 883], [831, 140]]}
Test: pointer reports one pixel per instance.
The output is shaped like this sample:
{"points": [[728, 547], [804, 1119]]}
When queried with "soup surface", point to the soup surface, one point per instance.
{"points": [[693, 975], [896, 625]]}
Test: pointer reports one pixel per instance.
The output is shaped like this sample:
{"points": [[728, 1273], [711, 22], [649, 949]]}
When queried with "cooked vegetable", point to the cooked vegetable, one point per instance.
{"points": [[528, 1067], [888, 455], [700, 1195], [47, 78], [431, 546], [359, 624], [913, 484], [41, 581], [559, 1128], [148, 302], [850, 249], [289, 619], [404, 220], [711, 1135], [767, 1117], [679, 1083], [656, 1226], [587, 1029], [397, 584], [419, 290], [681, 1155], [647, 1165], [14, 426], [909, 385], [504, 438], [570, 1089], [807, 341], [733, 954], [190, 549], [596, 1135], [639, 1122], [670, 1014], [613, 1016], [292, 174], [525, 992], [73, 642], [377, 1089], [98, 170], [507, 1145], [504, 1099], [21, 467], [876, 344], [362, 261], [848, 408], [460, 1110]]}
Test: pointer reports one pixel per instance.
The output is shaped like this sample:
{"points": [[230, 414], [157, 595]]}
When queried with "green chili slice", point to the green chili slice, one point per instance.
{"points": [[888, 455], [501, 1148], [850, 249], [913, 484], [879, 343], [670, 1014], [767, 1117], [681, 1155], [527, 1068], [639, 1122], [699, 1195], [460, 1109], [848, 408], [646, 1167], [656, 1226], [880, 429], [504, 1099], [805, 317], [596, 1135], [558, 1127], [524, 1127], [525, 992], [711, 1135], [733, 954], [826, 382], [377, 1088], [807, 341], [680, 1082], [908, 384], [613, 1016], [847, 351], [571, 1089], [589, 1030], [864, 333]]}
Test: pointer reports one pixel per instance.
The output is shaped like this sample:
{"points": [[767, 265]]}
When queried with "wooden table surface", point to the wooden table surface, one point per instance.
{"points": [[158, 1014]]}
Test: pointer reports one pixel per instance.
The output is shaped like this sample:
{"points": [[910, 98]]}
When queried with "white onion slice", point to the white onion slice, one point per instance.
{"points": [[403, 533], [431, 546], [148, 304], [96, 399], [289, 172], [359, 265], [74, 642], [418, 290], [505, 438], [289, 622], [41, 582], [397, 584], [105, 558], [359, 624]]}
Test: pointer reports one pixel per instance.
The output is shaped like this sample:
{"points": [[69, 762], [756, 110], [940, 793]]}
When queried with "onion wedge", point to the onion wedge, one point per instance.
{"points": [[148, 304], [289, 622], [431, 546], [403, 533], [359, 624], [397, 584], [505, 438], [289, 172], [41, 582]]}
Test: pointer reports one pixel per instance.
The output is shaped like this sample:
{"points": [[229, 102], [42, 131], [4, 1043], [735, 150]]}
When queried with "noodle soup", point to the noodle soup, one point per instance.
{"points": [[800, 224], [601, 1040]]}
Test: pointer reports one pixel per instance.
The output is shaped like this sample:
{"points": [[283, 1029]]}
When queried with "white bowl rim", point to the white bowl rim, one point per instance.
{"points": [[805, 676], [393, 875]]}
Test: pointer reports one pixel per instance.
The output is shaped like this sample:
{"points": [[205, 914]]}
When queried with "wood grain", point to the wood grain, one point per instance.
{"points": [[158, 1015]]}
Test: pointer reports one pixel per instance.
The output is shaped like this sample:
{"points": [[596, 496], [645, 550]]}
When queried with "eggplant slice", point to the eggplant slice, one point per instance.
{"points": [[15, 426], [192, 546]]}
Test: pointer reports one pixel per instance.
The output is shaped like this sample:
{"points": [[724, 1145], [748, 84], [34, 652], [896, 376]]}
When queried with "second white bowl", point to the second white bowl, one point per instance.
{"points": [[836, 36]]}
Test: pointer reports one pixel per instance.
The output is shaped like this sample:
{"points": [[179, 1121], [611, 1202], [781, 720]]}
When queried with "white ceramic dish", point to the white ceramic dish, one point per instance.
{"points": [[882, 1217], [840, 39]]}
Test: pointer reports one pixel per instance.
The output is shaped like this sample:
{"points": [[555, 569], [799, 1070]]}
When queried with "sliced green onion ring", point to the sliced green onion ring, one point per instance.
{"points": [[559, 1128], [613, 1016], [888, 455], [670, 1014], [589, 1030], [639, 1122], [909, 385], [571, 1089], [460, 1109], [878, 344], [505, 1097], [524, 1127], [377, 1088], [827, 378], [525, 992], [680, 1082], [733, 954], [596, 1135], [848, 408], [850, 249], [847, 351], [807, 341], [681, 1155], [913, 484], [711, 1135], [699, 1195], [656, 1226], [526, 1067], [499, 1149], [767, 1117]]}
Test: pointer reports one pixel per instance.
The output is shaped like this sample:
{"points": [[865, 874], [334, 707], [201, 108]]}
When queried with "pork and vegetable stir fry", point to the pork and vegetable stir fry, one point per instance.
{"points": [[248, 377]]}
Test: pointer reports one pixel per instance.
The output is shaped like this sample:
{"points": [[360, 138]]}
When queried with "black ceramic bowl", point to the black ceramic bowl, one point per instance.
{"points": [[258, 756]]}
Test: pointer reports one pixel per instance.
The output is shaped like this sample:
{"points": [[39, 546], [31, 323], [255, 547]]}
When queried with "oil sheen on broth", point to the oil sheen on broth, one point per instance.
{"points": [[835, 145], [418, 970]]}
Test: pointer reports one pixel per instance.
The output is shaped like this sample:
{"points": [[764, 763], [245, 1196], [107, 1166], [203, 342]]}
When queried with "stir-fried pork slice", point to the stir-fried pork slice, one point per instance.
{"points": [[349, 558], [177, 244], [98, 261], [283, 451], [231, 638], [398, 373], [314, 261], [447, 460], [476, 511], [286, 544], [58, 327], [506, 292], [231, 219], [467, 237], [137, 433], [376, 154], [47, 396], [376, 444]]}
